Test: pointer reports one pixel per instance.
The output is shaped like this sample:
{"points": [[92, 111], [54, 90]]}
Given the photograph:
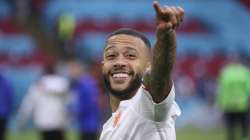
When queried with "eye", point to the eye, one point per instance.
{"points": [[110, 56], [131, 56]]}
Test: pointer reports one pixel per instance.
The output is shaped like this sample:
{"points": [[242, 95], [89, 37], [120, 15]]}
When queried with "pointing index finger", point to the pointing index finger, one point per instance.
{"points": [[157, 7]]}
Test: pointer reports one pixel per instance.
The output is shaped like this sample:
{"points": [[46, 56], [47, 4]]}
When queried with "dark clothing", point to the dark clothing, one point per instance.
{"points": [[3, 123], [86, 108], [88, 136], [52, 135], [6, 102], [6, 98], [232, 122]]}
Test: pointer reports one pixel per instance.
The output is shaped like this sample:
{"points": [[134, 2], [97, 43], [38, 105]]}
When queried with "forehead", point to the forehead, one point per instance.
{"points": [[123, 40]]}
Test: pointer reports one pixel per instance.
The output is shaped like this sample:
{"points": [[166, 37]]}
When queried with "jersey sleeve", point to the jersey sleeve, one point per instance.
{"points": [[158, 112]]}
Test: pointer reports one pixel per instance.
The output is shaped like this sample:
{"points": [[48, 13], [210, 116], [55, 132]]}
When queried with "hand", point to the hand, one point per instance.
{"points": [[167, 18]]}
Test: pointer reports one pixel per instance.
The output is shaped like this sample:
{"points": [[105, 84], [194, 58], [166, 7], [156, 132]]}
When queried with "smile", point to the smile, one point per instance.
{"points": [[120, 77]]}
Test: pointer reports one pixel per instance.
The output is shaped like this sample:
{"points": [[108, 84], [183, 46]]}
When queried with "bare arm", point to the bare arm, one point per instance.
{"points": [[164, 53]]}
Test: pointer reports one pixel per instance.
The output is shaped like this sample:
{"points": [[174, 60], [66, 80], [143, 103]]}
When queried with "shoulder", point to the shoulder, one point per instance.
{"points": [[158, 112]]}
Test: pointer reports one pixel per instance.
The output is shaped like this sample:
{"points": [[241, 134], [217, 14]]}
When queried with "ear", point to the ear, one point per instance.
{"points": [[102, 63], [146, 75], [148, 66]]}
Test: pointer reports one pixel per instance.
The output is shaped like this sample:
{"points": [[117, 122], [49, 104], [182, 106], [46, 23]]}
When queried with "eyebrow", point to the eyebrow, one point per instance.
{"points": [[129, 48], [107, 48]]}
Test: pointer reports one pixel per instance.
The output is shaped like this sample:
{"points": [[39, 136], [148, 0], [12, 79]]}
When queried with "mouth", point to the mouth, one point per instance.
{"points": [[122, 83], [120, 77]]}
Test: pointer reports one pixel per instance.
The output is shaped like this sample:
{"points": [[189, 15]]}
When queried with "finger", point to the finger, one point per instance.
{"points": [[173, 17], [166, 13], [157, 7], [181, 11], [177, 15]]}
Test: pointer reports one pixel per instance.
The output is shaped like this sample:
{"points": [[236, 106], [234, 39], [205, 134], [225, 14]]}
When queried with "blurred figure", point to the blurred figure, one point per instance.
{"points": [[6, 100], [66, 29], [46, 102], [86, 106], [233, 98]]}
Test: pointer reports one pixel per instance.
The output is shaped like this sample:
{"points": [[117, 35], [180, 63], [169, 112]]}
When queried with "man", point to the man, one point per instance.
{"points": [[46, 103], [86, 106], [6, 104], [233, 98], [142, 111]]}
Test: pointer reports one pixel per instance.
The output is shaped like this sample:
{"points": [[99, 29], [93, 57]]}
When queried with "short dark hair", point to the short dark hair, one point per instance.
{"points": [[132, 32]]}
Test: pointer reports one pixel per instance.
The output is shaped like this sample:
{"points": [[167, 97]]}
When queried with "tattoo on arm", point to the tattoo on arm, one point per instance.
{"points": [[164, 53]]}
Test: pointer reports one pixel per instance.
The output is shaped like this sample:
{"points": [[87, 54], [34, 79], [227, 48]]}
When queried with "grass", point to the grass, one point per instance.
{"points": [[182, 134], [198, 134]]}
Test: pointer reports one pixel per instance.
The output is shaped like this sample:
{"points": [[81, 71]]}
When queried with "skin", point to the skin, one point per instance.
{"points": [[129, 54]]}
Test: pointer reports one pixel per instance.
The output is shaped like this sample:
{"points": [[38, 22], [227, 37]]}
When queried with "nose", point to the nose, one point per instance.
{"points": [[120, 63]]}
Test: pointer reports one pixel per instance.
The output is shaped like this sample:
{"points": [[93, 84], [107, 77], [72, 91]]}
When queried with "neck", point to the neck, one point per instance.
{"points": [[115, 102]]}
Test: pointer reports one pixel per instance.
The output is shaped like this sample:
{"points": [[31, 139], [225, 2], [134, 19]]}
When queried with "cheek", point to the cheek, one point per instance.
{"points": [[105, 68], [139, 68]]}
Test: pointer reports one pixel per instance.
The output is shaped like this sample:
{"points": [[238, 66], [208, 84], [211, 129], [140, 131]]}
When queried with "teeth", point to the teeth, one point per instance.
{"points": [[120, 75]]}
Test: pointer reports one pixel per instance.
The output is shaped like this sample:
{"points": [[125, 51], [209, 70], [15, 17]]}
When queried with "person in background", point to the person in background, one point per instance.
{"points": [[6, 103], [86, 105], [233, 98], [66, 29], [46, 102]]}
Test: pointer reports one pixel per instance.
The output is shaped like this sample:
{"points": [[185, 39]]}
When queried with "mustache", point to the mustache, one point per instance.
{"points": [[121, 70]]}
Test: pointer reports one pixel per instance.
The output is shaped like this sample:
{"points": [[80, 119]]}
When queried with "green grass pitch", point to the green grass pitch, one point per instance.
{"points": [[182, 134]]}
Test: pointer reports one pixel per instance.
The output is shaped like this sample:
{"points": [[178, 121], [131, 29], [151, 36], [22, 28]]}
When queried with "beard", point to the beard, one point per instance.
{"points": [[128, 92]]}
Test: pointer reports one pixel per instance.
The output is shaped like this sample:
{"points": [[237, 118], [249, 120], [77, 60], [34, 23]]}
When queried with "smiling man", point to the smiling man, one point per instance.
{"points": [[139, 80]]}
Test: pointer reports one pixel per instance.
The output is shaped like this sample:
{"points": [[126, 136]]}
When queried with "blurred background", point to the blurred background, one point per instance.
{"points": [[71, 34]]}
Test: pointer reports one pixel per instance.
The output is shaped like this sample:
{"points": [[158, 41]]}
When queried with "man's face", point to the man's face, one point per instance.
{"points": [[124, 62]]}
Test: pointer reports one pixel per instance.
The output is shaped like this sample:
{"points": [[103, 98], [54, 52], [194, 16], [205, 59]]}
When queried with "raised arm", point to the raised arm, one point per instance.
{"points": [[164, 53]]}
